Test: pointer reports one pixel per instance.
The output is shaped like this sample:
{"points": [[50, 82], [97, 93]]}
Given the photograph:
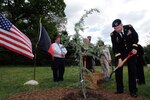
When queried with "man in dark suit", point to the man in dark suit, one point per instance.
{"points": [[140, 65], [90, 59], [124, 40]]}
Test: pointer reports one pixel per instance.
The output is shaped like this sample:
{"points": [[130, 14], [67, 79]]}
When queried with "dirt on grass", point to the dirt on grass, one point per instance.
{"points": [[73, 94]]}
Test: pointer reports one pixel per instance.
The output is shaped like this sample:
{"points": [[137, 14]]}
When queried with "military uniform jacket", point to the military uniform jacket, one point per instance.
{"points": [[124, 43]]}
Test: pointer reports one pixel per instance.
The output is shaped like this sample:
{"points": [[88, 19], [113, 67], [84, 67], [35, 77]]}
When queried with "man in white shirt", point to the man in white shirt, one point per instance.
{"points": [[58, 65]]}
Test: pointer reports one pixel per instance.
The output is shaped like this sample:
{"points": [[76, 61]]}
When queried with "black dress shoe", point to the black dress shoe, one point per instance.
{"points": [[119, 92], [56, 80], [134, 95], [61, 79], [141, 83]]}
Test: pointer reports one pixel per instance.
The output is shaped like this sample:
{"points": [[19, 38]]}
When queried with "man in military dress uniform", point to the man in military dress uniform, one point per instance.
{"points": [[124, 40]]}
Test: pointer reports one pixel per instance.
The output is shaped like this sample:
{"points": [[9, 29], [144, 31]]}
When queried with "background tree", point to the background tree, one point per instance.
{"points": [[147, 54], [66, 41], [147, 50]]}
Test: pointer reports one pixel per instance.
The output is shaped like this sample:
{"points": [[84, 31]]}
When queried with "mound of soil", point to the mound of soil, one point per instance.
{"points": [[73, 94], [78, 95]]}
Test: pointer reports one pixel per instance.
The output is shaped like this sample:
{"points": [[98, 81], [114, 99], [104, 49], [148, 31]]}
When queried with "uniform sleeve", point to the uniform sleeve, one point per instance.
{"points": [[115, 46], [135, 38]]}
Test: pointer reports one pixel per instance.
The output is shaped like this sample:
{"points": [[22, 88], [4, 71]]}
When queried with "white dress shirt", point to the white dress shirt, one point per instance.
{"points": [[58, 49]]}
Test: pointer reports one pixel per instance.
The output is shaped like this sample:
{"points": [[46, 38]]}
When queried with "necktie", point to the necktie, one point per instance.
{"points": [[121, 34]]}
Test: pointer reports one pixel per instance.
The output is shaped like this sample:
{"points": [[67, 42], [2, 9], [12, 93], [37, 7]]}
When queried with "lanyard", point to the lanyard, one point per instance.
{"points": [[60, 48]]}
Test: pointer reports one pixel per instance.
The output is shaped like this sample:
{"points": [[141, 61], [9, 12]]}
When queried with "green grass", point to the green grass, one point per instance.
{"points": [[12, 80]]}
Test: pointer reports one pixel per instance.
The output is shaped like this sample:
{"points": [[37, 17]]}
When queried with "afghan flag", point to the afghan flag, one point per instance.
{"points": [[13, 39], [44, 41]]}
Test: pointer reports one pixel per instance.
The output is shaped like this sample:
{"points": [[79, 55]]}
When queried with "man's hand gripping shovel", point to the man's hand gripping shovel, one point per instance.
{"points": [[129, 55]]}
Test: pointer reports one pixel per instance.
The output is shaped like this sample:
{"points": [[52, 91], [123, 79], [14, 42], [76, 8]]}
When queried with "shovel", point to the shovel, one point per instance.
{"points": [[129, 55]]}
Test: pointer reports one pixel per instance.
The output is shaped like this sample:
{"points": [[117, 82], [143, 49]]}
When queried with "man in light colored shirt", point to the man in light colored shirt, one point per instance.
{"points": [[58, 65], [105, 60]]}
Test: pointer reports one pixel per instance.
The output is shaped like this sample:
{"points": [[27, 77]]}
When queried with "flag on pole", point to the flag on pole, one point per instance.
{"points": [[13, 39], [44, 41]]}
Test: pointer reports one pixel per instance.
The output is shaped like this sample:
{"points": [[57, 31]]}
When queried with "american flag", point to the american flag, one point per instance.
{"points": [[13, 39]]}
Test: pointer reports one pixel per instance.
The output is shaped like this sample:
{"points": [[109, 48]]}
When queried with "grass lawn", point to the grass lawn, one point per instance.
{"points": [[12, 79]]}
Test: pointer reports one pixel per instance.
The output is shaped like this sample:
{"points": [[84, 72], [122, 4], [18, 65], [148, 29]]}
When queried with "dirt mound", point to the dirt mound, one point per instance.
{"points": [[78, 95], [73, 94]]}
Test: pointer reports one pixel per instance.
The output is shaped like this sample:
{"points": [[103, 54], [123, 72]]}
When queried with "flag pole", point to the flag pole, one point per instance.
{"points": [[36, 49], [34, 82]]}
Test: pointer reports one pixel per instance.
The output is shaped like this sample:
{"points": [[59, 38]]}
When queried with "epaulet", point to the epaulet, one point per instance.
{"points": [[111, 34], [130, 25]]}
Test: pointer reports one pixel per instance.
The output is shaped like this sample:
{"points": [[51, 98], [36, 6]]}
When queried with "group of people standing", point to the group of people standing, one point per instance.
{"points": [[103, 55], [124, 40]]}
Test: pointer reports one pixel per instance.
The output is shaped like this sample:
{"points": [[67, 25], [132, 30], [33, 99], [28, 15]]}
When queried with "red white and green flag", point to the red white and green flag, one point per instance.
{"points": [[44, 41]]}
